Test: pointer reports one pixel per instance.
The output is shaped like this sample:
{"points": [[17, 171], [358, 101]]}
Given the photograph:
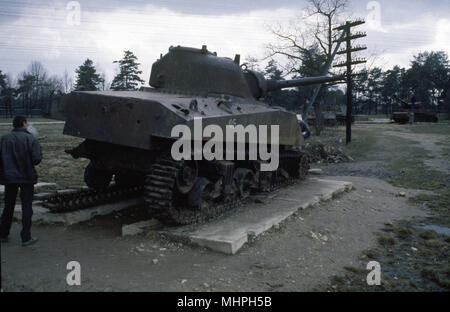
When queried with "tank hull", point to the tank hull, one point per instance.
{"points": [[140, 119], [129, 135], [402, 116]]}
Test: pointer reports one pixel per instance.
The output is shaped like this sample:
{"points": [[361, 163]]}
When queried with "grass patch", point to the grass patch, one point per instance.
{"points": [[363, 143], [371, 254], [438, 203], [434, 243], [403, 159], [417, 183], [417, 261], [411, 259], [431, 274], [439, 276], [386, 240], [357, 270], [430, 128], [410, 172], [403, 232], [428, 234], [379, 116], [408, 169]]}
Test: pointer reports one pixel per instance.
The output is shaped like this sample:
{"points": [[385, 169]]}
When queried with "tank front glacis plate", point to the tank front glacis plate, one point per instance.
{"points": [[131, 118], [126, 118]]}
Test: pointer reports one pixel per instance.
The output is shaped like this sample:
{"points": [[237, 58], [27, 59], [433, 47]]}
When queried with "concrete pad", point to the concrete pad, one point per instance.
{"points": [[375, 122], [36, 187], [140, 227], [229, 233], [315, 171], [43, 215], [361, 118]]}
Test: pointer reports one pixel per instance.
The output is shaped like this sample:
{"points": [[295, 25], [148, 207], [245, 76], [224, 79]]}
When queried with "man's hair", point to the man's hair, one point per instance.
{"points": [[18, 121]]}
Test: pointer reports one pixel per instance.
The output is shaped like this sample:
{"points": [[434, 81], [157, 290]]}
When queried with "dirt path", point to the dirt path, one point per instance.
{"points": [[299, 256], [431, 143], [289, 259]]}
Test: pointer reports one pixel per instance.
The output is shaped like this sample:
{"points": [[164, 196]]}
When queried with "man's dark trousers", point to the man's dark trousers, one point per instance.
{"points": [[26, 196]]}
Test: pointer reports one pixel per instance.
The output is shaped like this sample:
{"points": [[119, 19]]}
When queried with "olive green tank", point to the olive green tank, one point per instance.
{"points": [[128, 134]]}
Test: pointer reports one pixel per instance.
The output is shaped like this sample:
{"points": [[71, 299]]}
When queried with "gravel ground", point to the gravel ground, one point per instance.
{"points": [[299, 256], [288, 259]]}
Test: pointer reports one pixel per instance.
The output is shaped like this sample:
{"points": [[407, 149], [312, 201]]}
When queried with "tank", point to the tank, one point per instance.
{"points": [[402, 110], [128, 134]]}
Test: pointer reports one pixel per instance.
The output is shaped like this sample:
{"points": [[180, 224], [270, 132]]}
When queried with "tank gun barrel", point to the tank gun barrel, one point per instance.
{"points": [[274, 85]]}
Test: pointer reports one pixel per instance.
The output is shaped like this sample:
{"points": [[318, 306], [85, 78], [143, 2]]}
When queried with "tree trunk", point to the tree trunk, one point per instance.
{"points": [[319, 118]]}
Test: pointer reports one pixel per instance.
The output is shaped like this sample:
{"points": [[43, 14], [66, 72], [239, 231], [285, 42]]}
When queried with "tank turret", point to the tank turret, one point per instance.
{"points": [[199, 71]]}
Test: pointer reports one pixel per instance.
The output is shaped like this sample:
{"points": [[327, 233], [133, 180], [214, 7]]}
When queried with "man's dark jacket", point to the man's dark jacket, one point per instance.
{"points": [[19, 153]]}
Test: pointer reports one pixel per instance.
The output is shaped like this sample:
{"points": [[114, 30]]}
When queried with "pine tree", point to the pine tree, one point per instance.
{"points": [[2, 81], [128, 77], [88, 79], [6, 94], [272, 71]]}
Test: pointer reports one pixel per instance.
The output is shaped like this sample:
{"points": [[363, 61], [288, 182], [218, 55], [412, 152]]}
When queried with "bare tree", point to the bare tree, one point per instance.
{"points": [[292, 44], [252, 63], [39, 75], [37, 70], [307, 38], [54, 84], [36, 88], [67, 82], [104, 85], [296, 40], [327, 13]]}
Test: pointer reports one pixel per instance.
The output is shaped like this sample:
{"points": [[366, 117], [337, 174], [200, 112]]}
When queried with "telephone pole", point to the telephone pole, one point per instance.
{"points": [[347, 27]]}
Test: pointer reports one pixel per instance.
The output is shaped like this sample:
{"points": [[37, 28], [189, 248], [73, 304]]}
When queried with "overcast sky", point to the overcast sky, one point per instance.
{"points": [[47, 30]]}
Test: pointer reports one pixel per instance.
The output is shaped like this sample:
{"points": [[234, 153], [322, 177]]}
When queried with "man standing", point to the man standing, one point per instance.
{"points": [[412, 98], [19, 153], [304, 127], [304, 130]]}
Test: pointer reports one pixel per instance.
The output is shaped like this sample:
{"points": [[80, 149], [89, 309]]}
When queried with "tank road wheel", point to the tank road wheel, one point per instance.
{"points": [[187, 176], [245, 182], [199, 198], [164, 198], [95, 178], [280, 177]]}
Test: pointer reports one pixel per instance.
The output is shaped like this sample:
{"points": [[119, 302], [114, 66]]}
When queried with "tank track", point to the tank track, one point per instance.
{"points": [[78, 199], [160, 191]]}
